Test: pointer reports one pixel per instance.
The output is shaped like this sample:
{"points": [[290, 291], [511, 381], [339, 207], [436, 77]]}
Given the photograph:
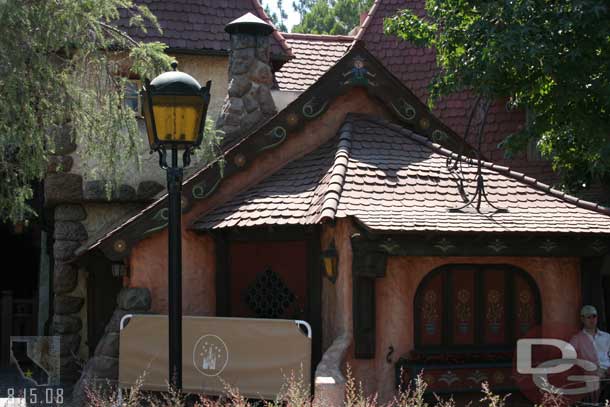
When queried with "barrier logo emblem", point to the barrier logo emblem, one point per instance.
{"points": [[210, 355]]}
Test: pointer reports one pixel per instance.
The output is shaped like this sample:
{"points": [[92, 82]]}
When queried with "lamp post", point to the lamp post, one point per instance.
{"points": [[175, 107]]}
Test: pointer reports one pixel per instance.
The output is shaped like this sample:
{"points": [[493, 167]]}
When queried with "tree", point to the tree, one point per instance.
{"points": [[337, 17], [303, 6], [550, 58], [64, 64], [277, 18]]}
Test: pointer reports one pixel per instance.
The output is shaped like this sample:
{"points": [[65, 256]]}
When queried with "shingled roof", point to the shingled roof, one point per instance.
{"points": [[416, 66], [392, 180], [198, 25], [313, 55]]}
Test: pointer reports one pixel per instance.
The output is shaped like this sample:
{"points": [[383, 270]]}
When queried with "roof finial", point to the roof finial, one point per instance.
{"points": [[479, 193]]}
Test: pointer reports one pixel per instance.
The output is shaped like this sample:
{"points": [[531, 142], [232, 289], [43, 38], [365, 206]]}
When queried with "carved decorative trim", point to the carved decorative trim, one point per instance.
{"points": [[404, 109], [278, 136], [548, 245], [483, 245], [497, 245], [313, 107], [201, 190]]}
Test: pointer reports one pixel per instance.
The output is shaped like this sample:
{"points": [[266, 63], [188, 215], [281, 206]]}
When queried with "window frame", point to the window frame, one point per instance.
{"points": [[138, 84], [447, 275]]}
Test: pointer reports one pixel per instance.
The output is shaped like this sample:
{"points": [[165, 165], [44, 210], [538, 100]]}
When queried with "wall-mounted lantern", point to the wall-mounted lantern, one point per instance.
{"points": [[330, 260], [119, 270]]}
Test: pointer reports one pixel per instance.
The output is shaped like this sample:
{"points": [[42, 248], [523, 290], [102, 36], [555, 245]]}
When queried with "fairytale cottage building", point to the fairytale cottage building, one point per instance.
{"points": [[328, 145], [438, 253]]}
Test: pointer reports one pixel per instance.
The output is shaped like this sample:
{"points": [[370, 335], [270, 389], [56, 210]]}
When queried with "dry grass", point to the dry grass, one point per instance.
{"points": [[296, 393]]}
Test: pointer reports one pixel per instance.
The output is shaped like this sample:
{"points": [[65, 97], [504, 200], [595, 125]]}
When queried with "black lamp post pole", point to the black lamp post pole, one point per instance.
{"points": [[174, 277], [177, 86]]}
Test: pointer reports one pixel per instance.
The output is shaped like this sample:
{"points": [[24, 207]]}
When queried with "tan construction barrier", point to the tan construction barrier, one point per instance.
{"points": [[254, 355]]}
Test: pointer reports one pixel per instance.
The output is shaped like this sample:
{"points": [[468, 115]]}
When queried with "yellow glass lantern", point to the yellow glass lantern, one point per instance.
{"points": [[175, 107]]}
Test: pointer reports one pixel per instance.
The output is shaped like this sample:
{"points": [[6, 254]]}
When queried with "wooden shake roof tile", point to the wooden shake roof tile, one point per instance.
{"points": [[313, 56], [358, 174]]}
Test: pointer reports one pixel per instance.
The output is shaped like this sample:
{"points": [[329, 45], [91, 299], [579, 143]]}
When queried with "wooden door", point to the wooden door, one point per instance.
{"points": [[102, 291], [269, 279]]}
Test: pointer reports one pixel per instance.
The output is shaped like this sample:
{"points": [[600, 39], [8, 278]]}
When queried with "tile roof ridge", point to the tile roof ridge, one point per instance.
{"points": [[519, 176], [367, 21], [317, 37], [332, 195], [276, 33]]}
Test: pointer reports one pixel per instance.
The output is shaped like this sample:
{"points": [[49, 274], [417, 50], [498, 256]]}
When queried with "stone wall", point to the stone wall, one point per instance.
{"points": [[103, 368], [142, 183]]}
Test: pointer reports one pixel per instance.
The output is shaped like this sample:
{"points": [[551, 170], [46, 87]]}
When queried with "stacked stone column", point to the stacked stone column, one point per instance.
{"points": [[103, 367], [249, 102], [69, 296]]}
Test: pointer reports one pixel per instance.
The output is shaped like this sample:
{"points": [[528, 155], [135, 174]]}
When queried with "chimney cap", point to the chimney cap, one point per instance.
{"points": [[249, 24]]}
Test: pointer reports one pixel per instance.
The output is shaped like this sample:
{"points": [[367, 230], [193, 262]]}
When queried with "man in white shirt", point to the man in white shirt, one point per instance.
{"points": [[593, 344]]}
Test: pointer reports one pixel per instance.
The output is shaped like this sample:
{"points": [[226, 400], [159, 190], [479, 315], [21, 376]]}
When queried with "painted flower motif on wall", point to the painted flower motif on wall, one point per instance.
{"points": [[495, 310], [430, 311], [463, 310], [525, 311]]}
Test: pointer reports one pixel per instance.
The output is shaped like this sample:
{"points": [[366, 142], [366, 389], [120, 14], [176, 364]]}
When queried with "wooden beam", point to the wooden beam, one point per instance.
{"points": [[6, 327], [363, 308], [223, 298], [592, 287], [472, 245]]}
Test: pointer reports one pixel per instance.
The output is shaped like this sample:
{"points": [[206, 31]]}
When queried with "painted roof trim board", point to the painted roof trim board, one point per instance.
{"points": [[117, 242]]}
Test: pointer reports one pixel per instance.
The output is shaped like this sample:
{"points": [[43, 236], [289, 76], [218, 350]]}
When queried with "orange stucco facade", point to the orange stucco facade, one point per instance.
{"points": [[149, 269], [558, 279], [148, 259]]}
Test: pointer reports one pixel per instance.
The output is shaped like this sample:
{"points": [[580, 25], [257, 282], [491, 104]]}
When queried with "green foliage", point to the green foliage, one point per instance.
{"points": [[278, 19], [57, 68], [303, 6], [337, 17], [549, 58]]}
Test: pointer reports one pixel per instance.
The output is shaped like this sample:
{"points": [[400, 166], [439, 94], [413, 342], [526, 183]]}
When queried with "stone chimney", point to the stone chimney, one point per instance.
{"points": [[249, 102]]}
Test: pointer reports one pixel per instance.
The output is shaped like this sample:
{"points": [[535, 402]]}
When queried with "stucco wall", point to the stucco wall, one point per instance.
{"points": [[202, 68], [149, 257], [101, 216], [208, 68], [148, 268], [557, 278]]}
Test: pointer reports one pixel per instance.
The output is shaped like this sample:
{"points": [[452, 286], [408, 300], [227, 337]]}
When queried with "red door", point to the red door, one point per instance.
{"points": [[268, 279]]}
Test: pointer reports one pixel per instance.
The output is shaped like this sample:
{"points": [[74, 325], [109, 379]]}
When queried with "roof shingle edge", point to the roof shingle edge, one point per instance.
{"points": [[332, 196], [278, 35], [367, 21]]}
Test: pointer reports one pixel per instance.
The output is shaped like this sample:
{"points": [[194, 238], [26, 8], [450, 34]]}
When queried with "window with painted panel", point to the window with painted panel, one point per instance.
{"points": [[475, 307]]}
